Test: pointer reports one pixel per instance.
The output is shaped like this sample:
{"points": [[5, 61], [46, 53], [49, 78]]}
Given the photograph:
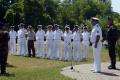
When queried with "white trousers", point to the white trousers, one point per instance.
{"points": [[13, 46], [67, 51], [97, 58], [26, 47], [22, 46], [57, 49], [49, 49], [40, 48], [77, 56], [85, 49]]}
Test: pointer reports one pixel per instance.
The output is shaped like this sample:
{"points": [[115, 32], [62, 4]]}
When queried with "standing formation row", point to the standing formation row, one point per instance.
{"points": [[72, 43], [53, 49]]}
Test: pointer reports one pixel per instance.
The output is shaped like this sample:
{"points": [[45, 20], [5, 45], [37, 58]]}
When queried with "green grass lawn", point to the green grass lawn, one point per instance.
{"points": [[24, 68]]}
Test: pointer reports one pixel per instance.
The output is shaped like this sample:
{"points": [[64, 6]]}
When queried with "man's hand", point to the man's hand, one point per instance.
{"points": [[71, 40], [95, 45], [62, 38], [81, 39]]}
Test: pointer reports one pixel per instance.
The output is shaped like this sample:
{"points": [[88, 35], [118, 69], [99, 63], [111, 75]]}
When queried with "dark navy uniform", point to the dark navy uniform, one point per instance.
{"points": [[112, 38], [31, 38], [4, 38]]}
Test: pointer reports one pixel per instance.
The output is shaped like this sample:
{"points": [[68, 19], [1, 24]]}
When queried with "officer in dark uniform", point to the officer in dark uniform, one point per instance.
{"points": [[4, 38], [31, 38], [112, 38]]}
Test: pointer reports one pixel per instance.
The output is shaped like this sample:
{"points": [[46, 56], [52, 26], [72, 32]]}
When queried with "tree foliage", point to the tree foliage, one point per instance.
{"points": [[33, 12]]}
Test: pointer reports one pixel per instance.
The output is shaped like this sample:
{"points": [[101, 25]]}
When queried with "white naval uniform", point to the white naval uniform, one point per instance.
{"points": [[26, 41], [21, 42], [49, 44], [13, 36], [86, 37], [67, 45], [77, 54], [40, 43], [57, 44], [96, 51]]}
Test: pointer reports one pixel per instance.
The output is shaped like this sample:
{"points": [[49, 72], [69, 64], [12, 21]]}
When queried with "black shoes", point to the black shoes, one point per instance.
{"points": [[112, 67]]}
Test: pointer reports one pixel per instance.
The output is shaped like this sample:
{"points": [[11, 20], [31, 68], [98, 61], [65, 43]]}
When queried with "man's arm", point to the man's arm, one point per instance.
{"points": [[34, 36], [81, 39], [97, 40]]}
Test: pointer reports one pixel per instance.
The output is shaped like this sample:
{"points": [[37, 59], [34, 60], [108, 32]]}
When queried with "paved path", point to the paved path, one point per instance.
{"points": [[83, 72]]}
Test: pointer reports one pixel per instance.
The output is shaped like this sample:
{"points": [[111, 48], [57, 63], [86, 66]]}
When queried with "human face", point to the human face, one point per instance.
{"points": [[49, 28], [12, 29], [92, 22], [76, 29], [57, 28], [110, 22], [39, 28], [67, 30], [85, 30]]}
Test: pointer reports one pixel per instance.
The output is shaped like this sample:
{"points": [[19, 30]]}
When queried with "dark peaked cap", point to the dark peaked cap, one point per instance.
{"points": [[76, 26], [11, 26], [29, 27], [85, 27], [39, 26], [67, 27], [21, 25], [49, 26]]}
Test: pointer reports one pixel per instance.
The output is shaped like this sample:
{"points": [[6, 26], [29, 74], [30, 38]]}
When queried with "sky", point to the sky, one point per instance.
{"points": [[116, 5]]}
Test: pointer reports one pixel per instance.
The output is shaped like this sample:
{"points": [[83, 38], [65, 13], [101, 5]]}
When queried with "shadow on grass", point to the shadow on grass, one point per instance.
{"points": [[7, 75], [16, 55], [117, 69], [9, 65], [109, 74]]}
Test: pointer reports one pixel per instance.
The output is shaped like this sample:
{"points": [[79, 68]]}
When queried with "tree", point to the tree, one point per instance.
{"points": [[4, 5], [34, 12], [15, 13]]}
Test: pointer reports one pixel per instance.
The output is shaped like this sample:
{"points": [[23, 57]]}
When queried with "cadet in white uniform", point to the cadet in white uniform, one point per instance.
{"points": [[67, 44], [13, 36], [40, 41], [96, 37], [26, 41], [21, 40], [49, 42], [57, 42], [86, 37], [77, 38]]}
